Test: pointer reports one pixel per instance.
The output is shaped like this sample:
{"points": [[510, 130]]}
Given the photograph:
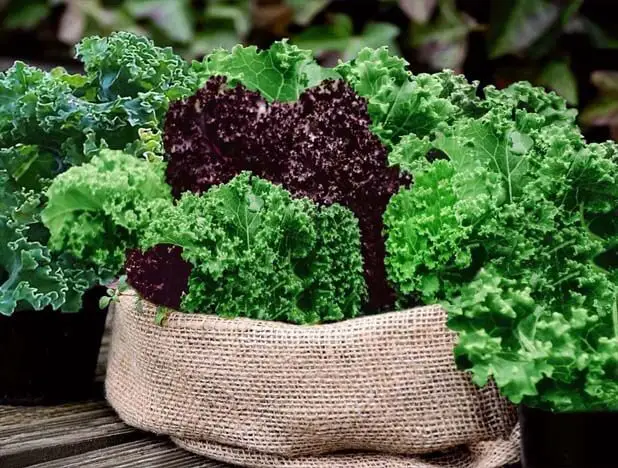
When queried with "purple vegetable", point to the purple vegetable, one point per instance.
{"points": [[159, 274], [320, 147]]}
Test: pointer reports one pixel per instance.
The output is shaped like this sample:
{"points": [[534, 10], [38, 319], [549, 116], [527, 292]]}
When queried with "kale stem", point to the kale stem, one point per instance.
{"points": [[565, 278], [558, 247], [615, 315]]}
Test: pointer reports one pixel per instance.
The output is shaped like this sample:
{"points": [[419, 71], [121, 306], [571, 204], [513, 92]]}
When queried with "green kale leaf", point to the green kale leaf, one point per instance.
{"points": [[400, 103], [96, 210], [52, 121], [257, 252], [280, 73], [511, 224], [32, 277]]}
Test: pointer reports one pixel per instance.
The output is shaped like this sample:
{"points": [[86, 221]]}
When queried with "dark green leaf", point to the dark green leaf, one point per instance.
{"points": [[29, 166], [598, 36], [516, 24], [547, 42], [26, 14], [334, 36], [338, 36]]}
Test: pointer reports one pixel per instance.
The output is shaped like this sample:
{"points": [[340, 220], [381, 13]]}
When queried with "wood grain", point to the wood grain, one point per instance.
{"points": [[151, 452], [35, 434]]}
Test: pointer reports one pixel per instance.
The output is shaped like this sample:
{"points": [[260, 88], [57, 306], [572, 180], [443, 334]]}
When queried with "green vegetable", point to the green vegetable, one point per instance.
{"points": [[280, 73], [125, 65], [127, 87], [258, 253], [400, 103], [430, 228], [51, 121], [511, 224], [31, 277], [96, 210]]}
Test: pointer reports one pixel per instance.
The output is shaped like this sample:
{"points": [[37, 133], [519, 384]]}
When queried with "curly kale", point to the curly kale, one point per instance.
{"points": [[126, 65], [32, 277], [51, 121], [254, 252], [96, 211], [279, 73], [513, 228], [401, 103], [127, 87], [320, 147]]}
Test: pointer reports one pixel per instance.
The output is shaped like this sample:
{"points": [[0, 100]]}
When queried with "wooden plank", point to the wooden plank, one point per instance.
{"points": [[30, 435], [151, 452]]}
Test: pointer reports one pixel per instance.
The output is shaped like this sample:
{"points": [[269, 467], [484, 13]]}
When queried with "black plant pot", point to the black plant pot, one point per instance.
{"points": [[49, 357], [568, 440]]}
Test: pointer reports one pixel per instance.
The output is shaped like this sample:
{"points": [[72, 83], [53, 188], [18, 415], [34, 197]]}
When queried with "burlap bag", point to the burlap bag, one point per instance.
{"points": [[377, 391]]}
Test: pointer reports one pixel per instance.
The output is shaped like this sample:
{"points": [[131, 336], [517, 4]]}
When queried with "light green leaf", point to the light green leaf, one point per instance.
{"points": [[281, 72], [443, 43], [557, 75], [104, 302], [257, 252], [205, 42], [374, 35], [238, 15], [601, 112], [161, 315], [606, 81], [547, 42], [96, 209], [476, 140]]}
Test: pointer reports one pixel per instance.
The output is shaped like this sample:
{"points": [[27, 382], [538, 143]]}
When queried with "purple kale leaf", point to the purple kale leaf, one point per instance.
{"points": [[320, 147], [159, 274]]}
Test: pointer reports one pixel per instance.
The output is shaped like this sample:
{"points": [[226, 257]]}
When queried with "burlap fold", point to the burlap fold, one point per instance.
{"points": [[375, 391]]}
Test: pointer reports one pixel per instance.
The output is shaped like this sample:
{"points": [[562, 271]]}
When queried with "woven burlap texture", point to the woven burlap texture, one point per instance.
{"points": [[266, 394]]}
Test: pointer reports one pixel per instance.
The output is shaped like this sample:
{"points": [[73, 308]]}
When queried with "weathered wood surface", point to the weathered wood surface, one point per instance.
{"points": [[83, 435], [86, 434]]}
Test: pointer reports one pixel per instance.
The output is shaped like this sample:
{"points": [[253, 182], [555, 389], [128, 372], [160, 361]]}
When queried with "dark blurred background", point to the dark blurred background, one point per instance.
{"points": [[570, 46]]}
